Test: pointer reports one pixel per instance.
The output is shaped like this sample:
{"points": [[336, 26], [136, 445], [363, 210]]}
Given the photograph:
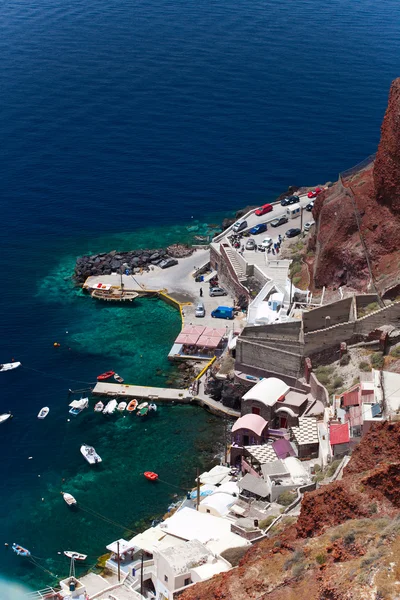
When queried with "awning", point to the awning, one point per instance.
{"points": [[187, 338], [124, 546], [82, 403], [255, 485], [193, 329], [205, 341]]}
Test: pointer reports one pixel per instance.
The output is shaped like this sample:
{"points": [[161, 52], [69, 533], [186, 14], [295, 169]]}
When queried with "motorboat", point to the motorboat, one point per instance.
{"points": [[110, 407], [106, 375], [142, 409], [9, 366], [20, 550], [43, 412], [132, 405], [151, 476], [153, 406], [121, 406], [99, 407], [5, 416], [69, 499], [90, 454], [75, 555], [77, 406], [118, 378]]}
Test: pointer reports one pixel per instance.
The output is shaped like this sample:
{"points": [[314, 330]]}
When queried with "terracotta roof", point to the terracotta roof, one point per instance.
{"points": [[351, 398], [339, 434]]}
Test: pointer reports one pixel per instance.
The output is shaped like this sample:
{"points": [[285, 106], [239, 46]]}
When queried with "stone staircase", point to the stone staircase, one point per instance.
{"points": [[232, 256]]}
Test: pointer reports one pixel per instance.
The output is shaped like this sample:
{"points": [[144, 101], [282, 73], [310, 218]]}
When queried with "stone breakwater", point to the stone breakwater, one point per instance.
{"points": [[106, 263]]}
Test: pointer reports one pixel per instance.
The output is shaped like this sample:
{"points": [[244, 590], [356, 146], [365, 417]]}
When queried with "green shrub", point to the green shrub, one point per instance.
{"points": [[344, 360], [323, 378], [325, 369], [364, 366], [337, 382], [299, 570], [264, 523], [349, 538], [296, 558], [318, 477], [377, 360], [332, 468], [295, 268], [395, 352], [317, 468], [373, 508], [286, 498], [321, 558]]}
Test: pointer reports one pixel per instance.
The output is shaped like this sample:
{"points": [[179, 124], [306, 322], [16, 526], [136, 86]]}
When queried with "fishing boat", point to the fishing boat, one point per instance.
{"points": [[110, 407], [69, 499], [106, 375], [132, 405], [99, 407], [5, 416], [121, 406], [90, 454], [77, 406], [9, 366], [43, 412], [142, 409], [20, 550], [151, 476], [118, 378], [153, 406], [75, 555]]}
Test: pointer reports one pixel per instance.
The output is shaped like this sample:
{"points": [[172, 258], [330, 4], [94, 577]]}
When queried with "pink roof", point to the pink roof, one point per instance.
{"points": [[193, 329], [187, 339], [339, 434], [214, 331], [255, 423]]}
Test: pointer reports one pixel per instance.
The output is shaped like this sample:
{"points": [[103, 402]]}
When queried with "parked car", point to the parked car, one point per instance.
{"points": [[218, 291], [310, 206], [267, 242], [200, 310], [263, 210], [293, 232], [239, 226], [250, 244], [308, 225], [294, 199], [168, 262], [285, 202], [223, 312], [279, 221], [258, 228], [314, 193]]}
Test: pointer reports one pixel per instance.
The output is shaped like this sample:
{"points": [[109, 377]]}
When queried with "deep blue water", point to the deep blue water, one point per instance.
{"points": [[121, 122]]}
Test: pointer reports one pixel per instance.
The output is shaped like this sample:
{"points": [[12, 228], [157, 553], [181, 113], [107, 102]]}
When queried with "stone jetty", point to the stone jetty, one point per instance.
{"points": [[136, 261]]}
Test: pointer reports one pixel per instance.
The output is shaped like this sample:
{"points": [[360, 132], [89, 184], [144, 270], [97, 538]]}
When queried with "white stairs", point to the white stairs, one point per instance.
{"points": [[232, 255]]}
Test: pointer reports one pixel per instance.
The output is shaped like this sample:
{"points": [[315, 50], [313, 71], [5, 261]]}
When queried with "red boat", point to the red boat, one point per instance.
{"points": [[151, 476], [106, 375]]}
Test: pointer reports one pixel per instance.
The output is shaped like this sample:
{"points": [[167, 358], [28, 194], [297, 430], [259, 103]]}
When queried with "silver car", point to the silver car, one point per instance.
{"points": [[218, 291], [308, 225], [239, 226], [200, 310], [250, 244]]}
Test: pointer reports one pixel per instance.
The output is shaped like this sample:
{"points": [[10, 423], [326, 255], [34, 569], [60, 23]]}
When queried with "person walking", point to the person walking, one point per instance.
{"points": [[201, 292], [273, 251]]}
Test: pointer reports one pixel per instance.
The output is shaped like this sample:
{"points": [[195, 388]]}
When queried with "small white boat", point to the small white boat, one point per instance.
{"points": [[75, 555], [5, 416], [99, 407], [110, 407], [143, 405], [77, 406], [43, 412], [69, 499], [90, 454], [122, 406], [118, 378], [9, 366], [153, 406]]}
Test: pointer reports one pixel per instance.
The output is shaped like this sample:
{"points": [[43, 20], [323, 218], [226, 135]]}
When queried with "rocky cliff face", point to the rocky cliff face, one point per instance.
{"points": [[370, 196], [344, 545]]}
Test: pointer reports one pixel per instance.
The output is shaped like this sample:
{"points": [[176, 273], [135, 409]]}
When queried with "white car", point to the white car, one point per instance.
{"points": [[308, 225], [267, 242]]}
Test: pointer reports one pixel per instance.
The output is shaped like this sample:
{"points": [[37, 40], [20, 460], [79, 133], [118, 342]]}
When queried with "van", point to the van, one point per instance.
{"points": [[293, 211], [222, 312], [200, 310]]}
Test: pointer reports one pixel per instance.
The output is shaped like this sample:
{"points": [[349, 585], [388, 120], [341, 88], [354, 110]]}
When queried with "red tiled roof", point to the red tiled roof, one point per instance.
{"points": [[339, 434], [351, 398]]}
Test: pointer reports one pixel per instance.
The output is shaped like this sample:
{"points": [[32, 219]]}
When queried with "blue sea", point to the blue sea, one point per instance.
{"points": [[133, 123]]}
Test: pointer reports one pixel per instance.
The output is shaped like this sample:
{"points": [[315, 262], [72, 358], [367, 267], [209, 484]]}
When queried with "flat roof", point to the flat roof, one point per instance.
{"points": [[262, 454], [294, 398], [189, 524], [306, 432], [185, 556]]}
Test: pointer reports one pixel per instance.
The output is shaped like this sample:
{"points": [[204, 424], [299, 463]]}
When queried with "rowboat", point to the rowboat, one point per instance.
{"points": [[142, 409], [118, 378], [110, 407], [9, 366], [43, 412], [20, 550], [151, 476], [69, 499], [99, 407], [75, 555], [132, 405], [106, 375], [5, 416], [121, 406]]}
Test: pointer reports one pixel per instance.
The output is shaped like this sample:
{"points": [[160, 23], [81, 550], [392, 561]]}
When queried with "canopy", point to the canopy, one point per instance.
{"points": [[215, 331], [186, 338], [124, 546], [206, 341], [83, 402], [193, 329]]}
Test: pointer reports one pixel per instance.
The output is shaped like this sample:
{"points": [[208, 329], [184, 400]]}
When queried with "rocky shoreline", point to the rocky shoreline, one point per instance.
{"points": [[135, 261]]}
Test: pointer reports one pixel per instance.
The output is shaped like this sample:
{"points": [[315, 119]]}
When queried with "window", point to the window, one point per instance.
{"points": [[207, 510], [165, 578], [255, 410], [187, 581]]}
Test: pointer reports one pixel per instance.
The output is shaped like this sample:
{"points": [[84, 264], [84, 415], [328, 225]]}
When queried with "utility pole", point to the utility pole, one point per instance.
{"points": [[225, 441], [301, 218], [141, 575], [198, 489], [119, 563]]}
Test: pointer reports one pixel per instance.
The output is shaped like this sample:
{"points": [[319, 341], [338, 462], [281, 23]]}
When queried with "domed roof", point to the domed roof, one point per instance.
{"points": [[268, 391], [254, 423]]}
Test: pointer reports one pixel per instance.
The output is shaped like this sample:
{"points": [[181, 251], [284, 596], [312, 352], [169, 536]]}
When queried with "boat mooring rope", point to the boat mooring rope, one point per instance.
{"points": [[89, 383]]}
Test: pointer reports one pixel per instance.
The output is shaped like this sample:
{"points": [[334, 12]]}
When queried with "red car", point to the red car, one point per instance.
{"points": [[314, 193], [263, 210]]}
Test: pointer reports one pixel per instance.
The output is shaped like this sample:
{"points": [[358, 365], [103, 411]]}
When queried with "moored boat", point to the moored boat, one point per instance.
{"points": [[99, 406], [77, 406], [9, 366], [110, 407], [43, 412], [132, 405], [106, 375], [20, 550], [75, 555], [90, 454], [5, 416], [153, 406], [69, 499], [121, 406], [118, 378], [150, 475], [142, 409]]}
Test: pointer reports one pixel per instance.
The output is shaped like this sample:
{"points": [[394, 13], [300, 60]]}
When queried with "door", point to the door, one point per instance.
{"points": [[283, 422]]}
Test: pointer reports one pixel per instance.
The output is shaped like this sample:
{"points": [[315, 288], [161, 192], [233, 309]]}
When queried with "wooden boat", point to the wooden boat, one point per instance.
{"points": [[69, 499], [9, 366], [106, 375], [75, 555], [5, 416], [132, 405], [43, 412], [118, 378], [151, 476], [20, 550], [143, 409], [121, 406], [99, 407]]}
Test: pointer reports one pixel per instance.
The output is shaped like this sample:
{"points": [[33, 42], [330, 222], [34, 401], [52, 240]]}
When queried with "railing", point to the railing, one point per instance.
{"points": [[358, 167]]}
